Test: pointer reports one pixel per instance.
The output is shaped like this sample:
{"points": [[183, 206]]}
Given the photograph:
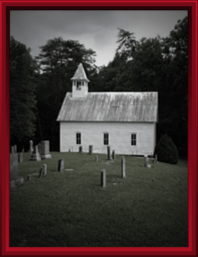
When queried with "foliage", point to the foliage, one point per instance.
{"points": [[71, 209], [22, 93], [58, 61], [166, 150]]}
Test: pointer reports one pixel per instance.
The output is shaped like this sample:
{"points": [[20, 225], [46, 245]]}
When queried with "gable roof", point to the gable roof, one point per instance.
{"points": [[80, 74], [111, 106]]}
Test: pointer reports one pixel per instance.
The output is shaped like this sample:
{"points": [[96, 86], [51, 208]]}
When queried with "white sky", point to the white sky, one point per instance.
{"points": [[95, 29]]}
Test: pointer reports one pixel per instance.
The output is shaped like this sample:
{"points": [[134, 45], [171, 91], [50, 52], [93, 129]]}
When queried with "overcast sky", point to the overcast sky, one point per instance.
{"points": [[95, 29]]}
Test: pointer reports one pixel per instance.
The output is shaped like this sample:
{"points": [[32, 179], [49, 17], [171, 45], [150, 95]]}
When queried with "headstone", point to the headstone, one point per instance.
{"points": [[96, 158], [145, 161], [113, 155], [41, 172], [15, 148], [90, 149], [20, 157], [103, 178], [31, 149], [44, 169], [61, 165], [14, 178], [35, 156], [80, 149], [45, 150], [108, 153], [123, 173]]}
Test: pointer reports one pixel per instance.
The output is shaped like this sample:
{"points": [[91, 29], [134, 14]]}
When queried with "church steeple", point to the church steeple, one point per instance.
{"points": [[79, 82]]}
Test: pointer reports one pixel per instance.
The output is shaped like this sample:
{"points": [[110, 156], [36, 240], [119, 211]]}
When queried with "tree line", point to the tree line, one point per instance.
{"points": [[38, 85]]}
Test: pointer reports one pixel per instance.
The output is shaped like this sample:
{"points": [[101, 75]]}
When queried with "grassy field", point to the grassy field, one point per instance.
{"points": [[71, 209]]}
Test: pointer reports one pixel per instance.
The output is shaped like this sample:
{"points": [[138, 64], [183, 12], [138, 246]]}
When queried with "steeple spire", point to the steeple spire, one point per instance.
{"points": [[79, 82]]}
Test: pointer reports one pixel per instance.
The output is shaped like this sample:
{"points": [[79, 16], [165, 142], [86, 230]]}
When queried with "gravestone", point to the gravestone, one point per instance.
{"points": [[12, 149], [61, 165], [80, 149], [113, 155], [108, 153], [45, 146], [123, 173], [155, 160], [90, 149], [20, 157], [31, 149], [145, 161], [14, 178], [44, 169], [15, 148], [103, 178], [35, 156], [41, 173], [96, 158]]}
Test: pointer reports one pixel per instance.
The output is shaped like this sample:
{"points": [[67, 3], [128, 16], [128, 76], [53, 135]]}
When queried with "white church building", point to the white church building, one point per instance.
{"points": [[126, 121]]}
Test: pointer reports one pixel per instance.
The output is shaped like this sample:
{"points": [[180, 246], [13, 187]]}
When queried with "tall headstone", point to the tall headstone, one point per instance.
{"points": [[90, 149], [80, 149], [44, 169], [113, 155], [108, 153], [20, 157], [145, 161], [14, 178], [35, 156], [103, 178], [61, 165], [45, 146], [31, 149], [123, 171], [15, 148]]}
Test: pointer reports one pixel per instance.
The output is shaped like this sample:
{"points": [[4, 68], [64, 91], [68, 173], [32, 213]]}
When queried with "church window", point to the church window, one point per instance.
{"points": [[133, 139], [78, 138], [106, 138]]}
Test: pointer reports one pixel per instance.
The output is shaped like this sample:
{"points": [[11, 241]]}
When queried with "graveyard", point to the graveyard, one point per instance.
{"points": [[90, 200]]}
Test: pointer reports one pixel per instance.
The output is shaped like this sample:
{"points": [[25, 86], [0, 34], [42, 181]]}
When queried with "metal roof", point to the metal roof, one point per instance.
{"points": [[80, 74], [111, 106]]}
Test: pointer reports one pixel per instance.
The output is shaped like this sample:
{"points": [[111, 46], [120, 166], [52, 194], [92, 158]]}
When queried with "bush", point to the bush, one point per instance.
{"points": [[166, 150]]}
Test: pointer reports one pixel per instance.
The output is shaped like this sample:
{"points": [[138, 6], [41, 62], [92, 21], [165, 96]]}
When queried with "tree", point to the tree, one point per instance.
{"points": [[22, 93], [58, 61]]}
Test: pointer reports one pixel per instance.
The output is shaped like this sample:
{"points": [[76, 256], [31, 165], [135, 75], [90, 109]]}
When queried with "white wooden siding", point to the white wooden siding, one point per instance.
{"points": [[92, 133]]}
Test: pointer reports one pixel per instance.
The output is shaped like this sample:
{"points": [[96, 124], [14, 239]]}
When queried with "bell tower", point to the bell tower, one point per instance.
{"points": [[79, 82]]}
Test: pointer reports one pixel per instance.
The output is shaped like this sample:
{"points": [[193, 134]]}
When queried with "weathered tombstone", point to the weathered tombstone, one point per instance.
{"points": [[20, 157], [31, 149], [96, 158], [123, 173], [103, 178], [15, 148], [90, 149], [45, 150], [44, 169], [80, 149], [145, 161], [35, 156], [61, 165], [113, 155], [14, 178], [108, 153], [12, 149], [41, 172]]}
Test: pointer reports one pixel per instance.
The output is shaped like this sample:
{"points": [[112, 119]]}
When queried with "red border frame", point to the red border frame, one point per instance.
{"points": [[191, 6]]}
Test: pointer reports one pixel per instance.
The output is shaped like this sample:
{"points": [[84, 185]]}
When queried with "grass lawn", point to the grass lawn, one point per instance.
{"points": [[71, 209]]}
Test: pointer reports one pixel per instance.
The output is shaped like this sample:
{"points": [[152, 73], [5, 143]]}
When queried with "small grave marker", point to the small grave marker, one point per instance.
{"points": [[35, 156], [90, 149], [108, 152], [103, 178], [123, 173], [61, 165]]}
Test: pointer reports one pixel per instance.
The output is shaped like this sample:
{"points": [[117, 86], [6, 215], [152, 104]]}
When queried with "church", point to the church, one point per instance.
{"points": [[125, 121]]}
